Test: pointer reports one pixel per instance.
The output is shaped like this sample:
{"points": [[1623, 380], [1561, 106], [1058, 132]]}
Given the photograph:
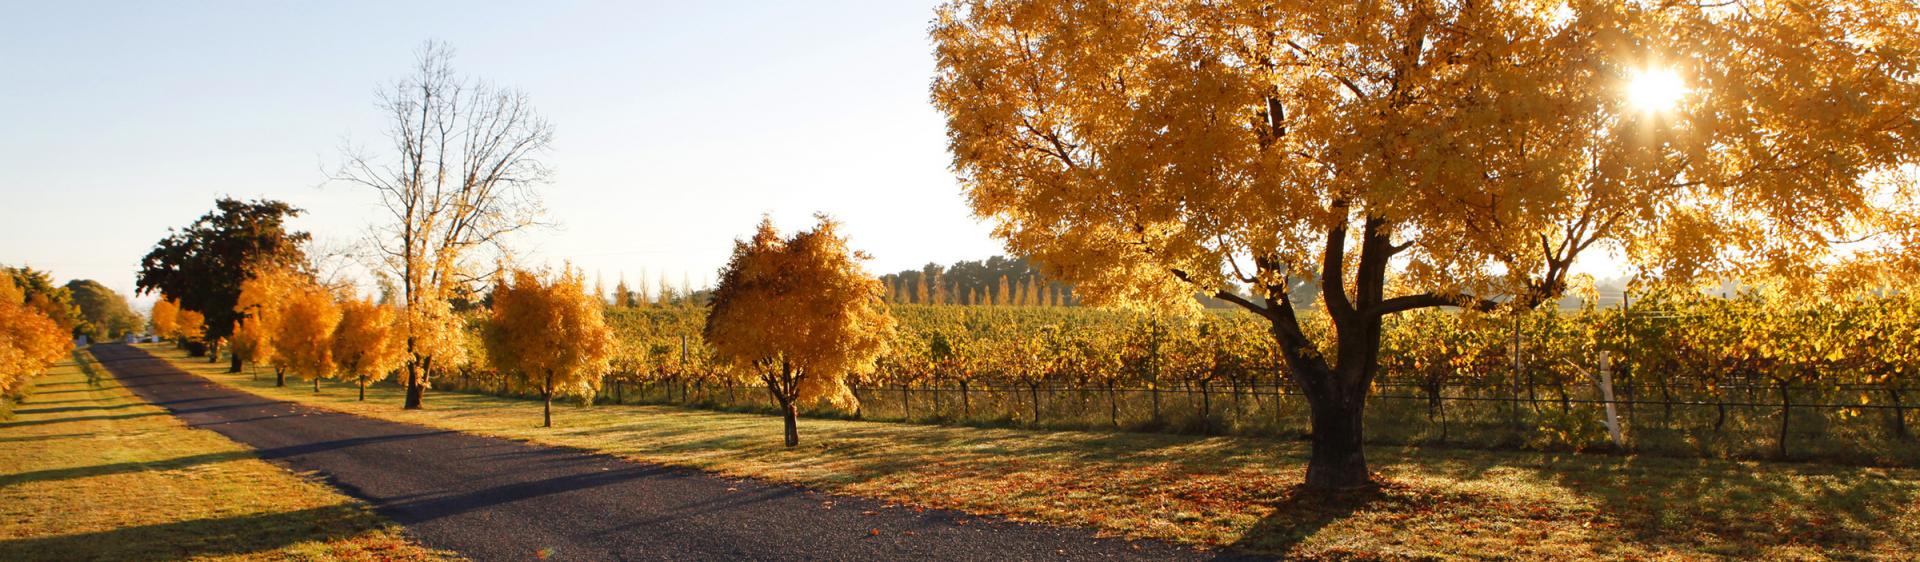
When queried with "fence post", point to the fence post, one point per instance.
{"points": [[1606, 397]]}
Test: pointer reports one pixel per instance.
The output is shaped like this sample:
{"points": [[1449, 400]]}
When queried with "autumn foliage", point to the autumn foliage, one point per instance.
{"points": [[798, 314], [550, 334], [303, 338], [261, 307], [30, 341], [169, 321], [367, 343], [1417, 155]]}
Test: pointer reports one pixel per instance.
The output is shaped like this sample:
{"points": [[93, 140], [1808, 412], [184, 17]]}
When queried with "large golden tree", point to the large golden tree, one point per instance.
{"points": [[799, 314], [1410, 154]]}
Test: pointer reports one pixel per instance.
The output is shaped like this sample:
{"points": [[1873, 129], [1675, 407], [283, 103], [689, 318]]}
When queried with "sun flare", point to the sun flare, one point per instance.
{"points": [[1655, 89]]}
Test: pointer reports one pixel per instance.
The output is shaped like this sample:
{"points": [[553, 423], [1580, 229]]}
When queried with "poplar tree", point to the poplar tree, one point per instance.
{"points": [[461, 177]]}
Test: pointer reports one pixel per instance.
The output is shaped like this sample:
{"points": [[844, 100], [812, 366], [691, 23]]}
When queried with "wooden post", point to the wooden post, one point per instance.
{"points": [[1606, 397]]}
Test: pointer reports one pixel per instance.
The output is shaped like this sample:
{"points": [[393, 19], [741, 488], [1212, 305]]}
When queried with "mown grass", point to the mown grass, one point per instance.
{"points": [[88, 471], [1237, 492]]}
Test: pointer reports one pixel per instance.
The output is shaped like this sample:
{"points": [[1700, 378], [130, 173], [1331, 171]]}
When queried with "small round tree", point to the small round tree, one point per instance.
{"points": [[303, 339], [799, 314], [551, 334], [366, 344], [261, 306]]}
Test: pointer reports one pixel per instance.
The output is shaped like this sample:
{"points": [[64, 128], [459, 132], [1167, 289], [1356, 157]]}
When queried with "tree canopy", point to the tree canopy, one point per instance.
{"points": [[800, 314], [30, 341], [53, 301], [104, 313], [551, 334], [303, 334], [1405, 155], [367, 343]]}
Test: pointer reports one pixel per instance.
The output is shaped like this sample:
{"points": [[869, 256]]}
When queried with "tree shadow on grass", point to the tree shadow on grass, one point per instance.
{"points": [[1299, 513], [224, 536], [65, 409], [57, 474], [1739, 506], [176, 463], [38, 392], [47, 437], [14, 424]]}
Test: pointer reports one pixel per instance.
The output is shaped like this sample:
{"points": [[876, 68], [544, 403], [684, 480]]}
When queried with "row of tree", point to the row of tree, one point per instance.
{"points": [[1713, 349], [547, 332], [83, 307], [997, 280], [31, 336]]}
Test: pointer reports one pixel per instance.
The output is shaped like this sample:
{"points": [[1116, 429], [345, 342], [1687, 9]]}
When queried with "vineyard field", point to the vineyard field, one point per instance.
{"points": [[1451, 379]]}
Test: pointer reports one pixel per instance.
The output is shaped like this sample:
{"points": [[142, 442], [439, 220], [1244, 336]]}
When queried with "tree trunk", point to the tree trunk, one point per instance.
{"points": [[1899, 418], [1113, 407], [792, 412], [966, 408], [279, 376], [1153, 387], [1206, 407], [546, 398], [1034, 390], [233, 367], [1338, 462], [906, 404], [316, 385], [1239, 407], [213, 351], [1432, 388], [1666, 404], [416, 387], [363, 390], [1786, 415], [784, 387]]}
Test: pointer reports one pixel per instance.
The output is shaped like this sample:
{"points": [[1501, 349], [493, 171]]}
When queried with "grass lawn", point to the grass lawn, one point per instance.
{"points": [[88, 471], [1238, 492]]}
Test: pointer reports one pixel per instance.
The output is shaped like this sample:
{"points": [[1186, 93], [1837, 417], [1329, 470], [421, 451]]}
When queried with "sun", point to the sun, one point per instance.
{"points": [[1655, 89]]}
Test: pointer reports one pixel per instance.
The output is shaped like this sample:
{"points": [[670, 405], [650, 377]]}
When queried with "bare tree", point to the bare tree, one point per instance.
{"points": [[465, 176]]}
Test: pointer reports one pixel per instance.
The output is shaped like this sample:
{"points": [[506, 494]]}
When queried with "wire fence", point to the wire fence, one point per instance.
{"points": [[1742, 418]]}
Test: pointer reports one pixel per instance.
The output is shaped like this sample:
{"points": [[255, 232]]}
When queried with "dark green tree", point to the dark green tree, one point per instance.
{"points": [[104, 314], [41, 294], [203, 265]]}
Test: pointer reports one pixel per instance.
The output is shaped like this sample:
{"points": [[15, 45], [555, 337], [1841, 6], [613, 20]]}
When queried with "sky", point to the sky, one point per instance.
{"points": [[677, 124]]}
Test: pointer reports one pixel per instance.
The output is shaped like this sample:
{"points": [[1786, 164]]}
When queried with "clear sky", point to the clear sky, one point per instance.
{"points": [[677, 123]]}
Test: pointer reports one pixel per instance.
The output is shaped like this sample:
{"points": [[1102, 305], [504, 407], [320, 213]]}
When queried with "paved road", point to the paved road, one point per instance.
{"points": [[493, 499]]}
